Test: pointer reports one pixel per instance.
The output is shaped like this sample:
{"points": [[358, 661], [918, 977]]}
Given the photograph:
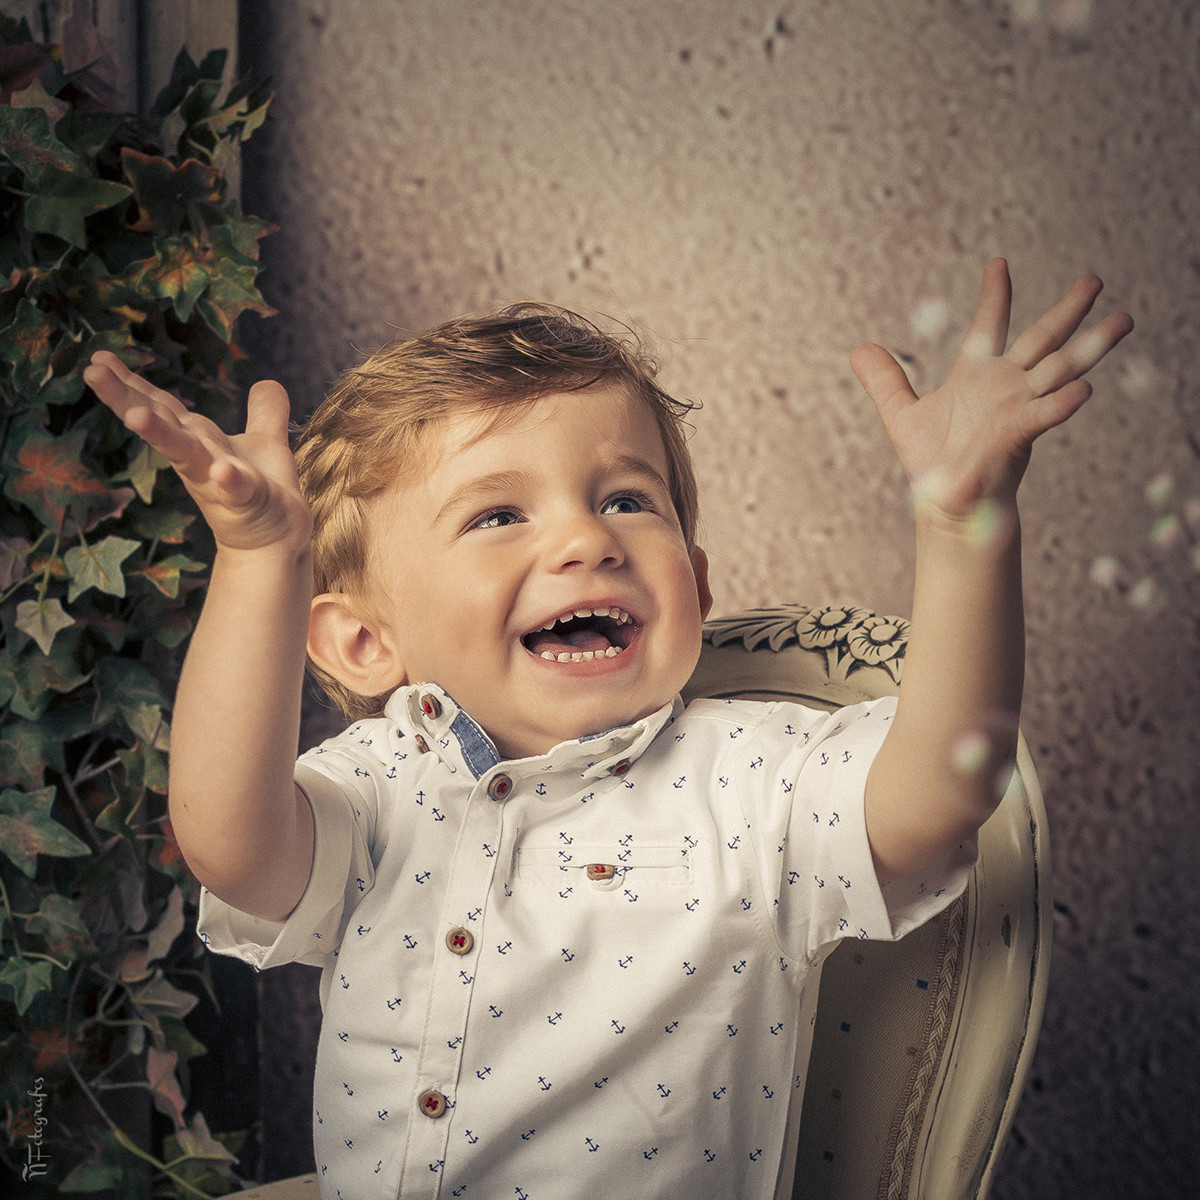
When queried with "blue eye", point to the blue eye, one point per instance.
{"points": [[629, 503], [497, 518]]}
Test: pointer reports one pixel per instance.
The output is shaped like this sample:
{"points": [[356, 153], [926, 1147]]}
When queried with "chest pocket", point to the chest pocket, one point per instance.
{"points": [[604, 867]]}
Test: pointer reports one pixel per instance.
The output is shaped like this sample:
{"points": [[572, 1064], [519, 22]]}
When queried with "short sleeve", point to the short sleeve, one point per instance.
{"points": [[341, 874], [826, 888]]}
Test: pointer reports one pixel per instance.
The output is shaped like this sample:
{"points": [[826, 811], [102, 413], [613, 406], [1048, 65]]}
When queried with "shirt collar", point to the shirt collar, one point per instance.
{"points": [[428, 713]]}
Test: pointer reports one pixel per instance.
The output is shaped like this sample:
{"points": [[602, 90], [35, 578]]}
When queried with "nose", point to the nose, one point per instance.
{"points": [[584, 540]]}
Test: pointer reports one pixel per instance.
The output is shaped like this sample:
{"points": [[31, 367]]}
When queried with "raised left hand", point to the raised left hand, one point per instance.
{"points": [[969, 440]]}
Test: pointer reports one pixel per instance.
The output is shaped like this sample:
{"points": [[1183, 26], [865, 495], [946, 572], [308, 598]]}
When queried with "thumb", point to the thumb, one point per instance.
{"points": [[268, 411], [882, 377]]}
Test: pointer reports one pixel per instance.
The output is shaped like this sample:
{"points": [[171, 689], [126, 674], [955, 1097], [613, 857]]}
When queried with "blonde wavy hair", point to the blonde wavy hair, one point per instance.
{"points": [[368, 434]]}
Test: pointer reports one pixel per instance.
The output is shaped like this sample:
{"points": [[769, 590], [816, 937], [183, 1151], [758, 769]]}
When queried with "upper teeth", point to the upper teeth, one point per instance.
{"points": [[613, 614]]}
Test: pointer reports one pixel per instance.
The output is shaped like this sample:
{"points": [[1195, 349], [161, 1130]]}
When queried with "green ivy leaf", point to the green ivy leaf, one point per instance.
{"points": [[145, 767], [28, 979], [143, 471], [14, 561], [43, 620], [177, 272], [27, 141], [165, 193], [64, 200], [169, 927], [27, 829], [155, 525], [159, 997], [98, 566], [27, 750], [36, 676], [59, 923], [110, 1169], [124, 685]]}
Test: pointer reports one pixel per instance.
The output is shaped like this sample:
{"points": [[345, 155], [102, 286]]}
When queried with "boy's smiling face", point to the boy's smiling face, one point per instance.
{"points": [[538, 573]]}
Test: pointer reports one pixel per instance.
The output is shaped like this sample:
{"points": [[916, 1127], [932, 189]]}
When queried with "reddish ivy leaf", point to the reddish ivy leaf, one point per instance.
{"points": [[19, 66], [53, 478], [27, 345], [27, 829], [168, 1096], [88, 59], [165, 574]]}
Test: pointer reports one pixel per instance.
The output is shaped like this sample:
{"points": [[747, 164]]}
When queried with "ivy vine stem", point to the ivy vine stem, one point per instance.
{"points": [[12, 920]]}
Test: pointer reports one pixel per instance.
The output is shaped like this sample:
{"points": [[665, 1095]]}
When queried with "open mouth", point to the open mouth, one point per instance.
{"points": [[583, 635]]}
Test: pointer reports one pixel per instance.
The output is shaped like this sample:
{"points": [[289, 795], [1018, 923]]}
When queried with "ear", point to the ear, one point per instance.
{"points": [[700, 570], [358, 654]]}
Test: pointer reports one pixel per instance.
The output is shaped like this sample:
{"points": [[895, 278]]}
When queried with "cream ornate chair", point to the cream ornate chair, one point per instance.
{"points": [[921, 1046]]}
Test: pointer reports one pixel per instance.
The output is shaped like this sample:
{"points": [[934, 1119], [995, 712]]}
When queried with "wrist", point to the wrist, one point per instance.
{"points": [[989, 526]]}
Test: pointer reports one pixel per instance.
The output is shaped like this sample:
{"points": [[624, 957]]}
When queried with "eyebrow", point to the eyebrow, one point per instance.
{"points": [[632, 464], [479, 491], [495, 483]]}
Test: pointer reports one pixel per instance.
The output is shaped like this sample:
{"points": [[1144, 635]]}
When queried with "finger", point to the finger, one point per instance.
{"points": [[1079, 356], [1048, 411], [987, 334], [121, 389], [189, 453], [1054, 327], [268, 411], [882, 377]]}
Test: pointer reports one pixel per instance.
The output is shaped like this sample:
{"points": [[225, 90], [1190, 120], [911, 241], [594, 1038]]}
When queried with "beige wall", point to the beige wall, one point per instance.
{"points": [[761, 187]]}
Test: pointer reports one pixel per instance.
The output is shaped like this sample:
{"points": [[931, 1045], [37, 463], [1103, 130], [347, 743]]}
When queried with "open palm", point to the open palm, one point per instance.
{"points": [[969, 439], [246, 484]]}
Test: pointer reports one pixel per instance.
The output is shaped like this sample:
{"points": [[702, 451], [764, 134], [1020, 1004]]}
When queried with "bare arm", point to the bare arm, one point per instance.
{"points": [[965, 447], [243, 827]]}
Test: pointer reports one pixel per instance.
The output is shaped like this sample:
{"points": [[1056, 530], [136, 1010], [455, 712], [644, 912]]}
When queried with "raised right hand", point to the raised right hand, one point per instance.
{"points": [[245, 485]]}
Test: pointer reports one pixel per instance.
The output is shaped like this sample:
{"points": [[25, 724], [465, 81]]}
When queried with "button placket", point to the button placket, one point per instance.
{"points": [[453, 983]]}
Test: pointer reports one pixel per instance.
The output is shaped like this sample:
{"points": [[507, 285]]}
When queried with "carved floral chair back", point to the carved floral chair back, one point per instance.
{"points": [[922, 1046]]}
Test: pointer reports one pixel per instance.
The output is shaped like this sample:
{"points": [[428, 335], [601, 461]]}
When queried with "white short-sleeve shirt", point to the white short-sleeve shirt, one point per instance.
{"points": [[593, 972]]}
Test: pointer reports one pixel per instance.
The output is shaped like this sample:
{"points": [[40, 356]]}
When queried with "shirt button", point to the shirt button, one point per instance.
{"points": [[601, 871], [619, 768], [432, 1103], [499, 787], [422, 744], [460, 941], [430, 706]]}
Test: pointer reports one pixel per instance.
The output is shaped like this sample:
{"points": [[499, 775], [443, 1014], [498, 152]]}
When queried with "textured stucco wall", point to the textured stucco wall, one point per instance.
{"points": [[760, 187]]}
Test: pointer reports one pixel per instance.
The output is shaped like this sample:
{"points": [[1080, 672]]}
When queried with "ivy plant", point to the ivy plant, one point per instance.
{"points": [[117, 232]]}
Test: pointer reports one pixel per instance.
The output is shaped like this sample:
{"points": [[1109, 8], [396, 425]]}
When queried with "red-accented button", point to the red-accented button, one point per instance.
{"points": [[431, 706], [460, 941], [432, 1103], [619, 768], [500, 787], [601, 871]]}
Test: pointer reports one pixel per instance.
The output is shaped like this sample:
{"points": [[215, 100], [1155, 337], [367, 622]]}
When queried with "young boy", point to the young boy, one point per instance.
{"points": [[571, 932]]}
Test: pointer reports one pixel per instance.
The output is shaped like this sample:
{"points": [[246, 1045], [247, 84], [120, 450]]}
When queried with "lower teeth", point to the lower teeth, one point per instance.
{"points": [[581, 655]]}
